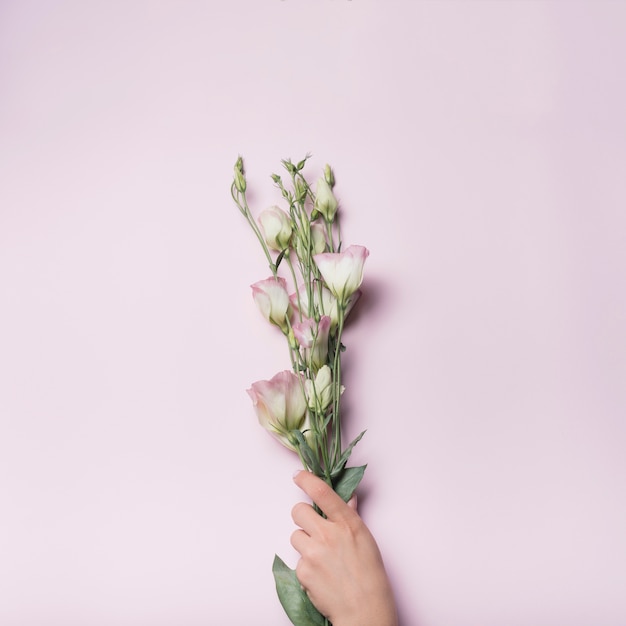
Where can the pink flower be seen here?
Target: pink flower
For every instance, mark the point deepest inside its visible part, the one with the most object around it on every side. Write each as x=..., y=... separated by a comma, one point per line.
x=313, y=336
x=280, y=405
x=342, y=271
x=272, y=299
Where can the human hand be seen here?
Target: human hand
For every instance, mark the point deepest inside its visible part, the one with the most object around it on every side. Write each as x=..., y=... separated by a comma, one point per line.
x=341, y=567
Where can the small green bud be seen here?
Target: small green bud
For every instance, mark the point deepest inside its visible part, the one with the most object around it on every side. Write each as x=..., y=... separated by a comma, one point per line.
x=240, y=181
x=329, y=176
x=289, y=166
x=293, y=342
x=239, y=165
x=300, y=165
x=301, y=190
x=276, y=178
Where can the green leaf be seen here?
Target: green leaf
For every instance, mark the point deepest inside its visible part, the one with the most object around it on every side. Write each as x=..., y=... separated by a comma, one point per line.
x=296, y=603
x=345, y=456
x=348, y=481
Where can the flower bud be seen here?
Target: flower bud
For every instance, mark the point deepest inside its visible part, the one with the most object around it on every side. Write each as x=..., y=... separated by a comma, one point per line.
x=320, y=393
x=276, y=227
x=329, y=176
x=318, y=238
x=313, y=337
x=301, y=191
x=325, y=201
x=240, y=181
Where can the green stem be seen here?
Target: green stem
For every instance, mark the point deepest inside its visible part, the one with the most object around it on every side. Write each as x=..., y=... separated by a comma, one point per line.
x=245, y=210
x=337, y=385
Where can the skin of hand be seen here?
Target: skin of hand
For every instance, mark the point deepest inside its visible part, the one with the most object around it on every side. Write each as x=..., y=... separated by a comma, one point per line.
x=341, y=567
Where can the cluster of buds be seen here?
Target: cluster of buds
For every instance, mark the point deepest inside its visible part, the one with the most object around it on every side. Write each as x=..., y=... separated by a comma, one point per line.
x=309, y=304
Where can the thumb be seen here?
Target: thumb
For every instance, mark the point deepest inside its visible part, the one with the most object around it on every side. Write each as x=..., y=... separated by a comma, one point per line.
x=352, y=503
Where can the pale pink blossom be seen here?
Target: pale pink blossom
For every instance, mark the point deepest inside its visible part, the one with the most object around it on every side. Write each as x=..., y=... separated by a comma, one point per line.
x=273, y=301
x=313, y=336
x=342, y=271
x=281, y=405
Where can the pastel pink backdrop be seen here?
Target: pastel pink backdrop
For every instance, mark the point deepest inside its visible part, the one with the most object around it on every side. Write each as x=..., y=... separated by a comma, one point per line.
x=479, y=150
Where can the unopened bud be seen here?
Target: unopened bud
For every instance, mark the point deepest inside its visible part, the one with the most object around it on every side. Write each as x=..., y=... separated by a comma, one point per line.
x=329, y=176
x=240, y=181
x=301, y=190
x=325, y=201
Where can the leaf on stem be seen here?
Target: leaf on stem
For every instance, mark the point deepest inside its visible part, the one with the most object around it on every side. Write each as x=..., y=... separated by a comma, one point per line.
x=348, y=481
x=296, y=603
x=345, y=456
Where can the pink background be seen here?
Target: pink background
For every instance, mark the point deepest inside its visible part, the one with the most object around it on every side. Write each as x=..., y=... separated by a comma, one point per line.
x=480, y=154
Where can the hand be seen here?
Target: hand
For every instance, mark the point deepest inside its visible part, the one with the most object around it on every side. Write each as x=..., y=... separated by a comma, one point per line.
x=341, y=567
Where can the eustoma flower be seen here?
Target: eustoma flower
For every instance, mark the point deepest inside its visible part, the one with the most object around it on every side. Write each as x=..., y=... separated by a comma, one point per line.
x=342, y=271
x=313, y=336
x=301, y=407
x=281, y=405
x=319, y=392
x=325, y=201
x=276, y=227
x=273, y=301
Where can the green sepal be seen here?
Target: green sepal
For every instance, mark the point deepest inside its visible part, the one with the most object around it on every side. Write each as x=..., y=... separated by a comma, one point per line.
x=296, y=603
x=280, y=258
x=348, y=481
x=307, y=454
x=345, y=456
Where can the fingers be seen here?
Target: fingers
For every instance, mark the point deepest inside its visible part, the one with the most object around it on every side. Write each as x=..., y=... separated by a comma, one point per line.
x=322, y=494
x=299, y=540
x=304, y=515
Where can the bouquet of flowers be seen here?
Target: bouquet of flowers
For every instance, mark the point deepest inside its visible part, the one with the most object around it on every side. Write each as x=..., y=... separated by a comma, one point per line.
x=301, y=406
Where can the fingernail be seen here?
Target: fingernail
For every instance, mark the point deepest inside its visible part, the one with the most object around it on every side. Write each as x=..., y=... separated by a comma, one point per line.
x=296, y=473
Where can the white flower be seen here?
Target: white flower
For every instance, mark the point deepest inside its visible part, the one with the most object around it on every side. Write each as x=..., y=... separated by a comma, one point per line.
x=319, y=393
x=276, y=227
x=325, y=201
x=342, y=271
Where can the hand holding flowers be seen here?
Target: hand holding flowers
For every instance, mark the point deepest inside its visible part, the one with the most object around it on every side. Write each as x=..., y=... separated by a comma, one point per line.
x=301, y=407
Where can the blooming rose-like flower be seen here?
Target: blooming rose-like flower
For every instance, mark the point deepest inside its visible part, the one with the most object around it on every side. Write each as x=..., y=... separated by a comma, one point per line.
x=325, y=201
x=273, y=301
x=276, y=227
x=313, y=336
x=342, y=271
x=280, y=405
